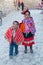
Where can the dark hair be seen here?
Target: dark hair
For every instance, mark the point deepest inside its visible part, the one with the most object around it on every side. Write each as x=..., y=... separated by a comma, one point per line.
x=28, y=12
x=16, y=22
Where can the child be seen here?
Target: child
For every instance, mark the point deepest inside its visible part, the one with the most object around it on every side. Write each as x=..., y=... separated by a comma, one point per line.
x=15, y=37
x=28, y=28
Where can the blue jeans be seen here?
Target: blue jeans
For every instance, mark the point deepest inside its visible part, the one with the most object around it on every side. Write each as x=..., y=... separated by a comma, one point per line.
x=12, y=45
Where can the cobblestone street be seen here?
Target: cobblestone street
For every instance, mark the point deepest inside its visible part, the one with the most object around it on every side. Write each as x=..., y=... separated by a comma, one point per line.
x=22, y=59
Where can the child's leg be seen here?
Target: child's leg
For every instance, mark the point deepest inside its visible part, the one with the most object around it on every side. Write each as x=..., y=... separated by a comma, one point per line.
x=25, y=49
x=11, y=50
x=16, y=48
x=31, y=50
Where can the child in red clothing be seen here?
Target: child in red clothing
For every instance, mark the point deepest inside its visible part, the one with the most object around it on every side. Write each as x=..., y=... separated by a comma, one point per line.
x=15, y=37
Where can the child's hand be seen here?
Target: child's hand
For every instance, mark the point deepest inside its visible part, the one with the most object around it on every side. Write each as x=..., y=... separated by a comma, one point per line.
x=6, y=39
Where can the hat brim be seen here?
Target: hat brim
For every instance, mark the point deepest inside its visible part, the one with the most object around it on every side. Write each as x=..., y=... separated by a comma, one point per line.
x=24, y=11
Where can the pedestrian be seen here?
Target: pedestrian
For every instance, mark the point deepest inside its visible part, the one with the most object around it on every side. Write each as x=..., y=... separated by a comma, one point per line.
x=19, y=3
x=22, y=5
x=15, y=37
x=28, y=28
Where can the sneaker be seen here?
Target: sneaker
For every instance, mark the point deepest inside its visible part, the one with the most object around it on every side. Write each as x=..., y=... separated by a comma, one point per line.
x=15, y=54
x=11, y=57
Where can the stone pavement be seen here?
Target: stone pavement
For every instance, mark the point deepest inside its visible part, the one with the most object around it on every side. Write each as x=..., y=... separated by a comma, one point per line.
x=22, y=59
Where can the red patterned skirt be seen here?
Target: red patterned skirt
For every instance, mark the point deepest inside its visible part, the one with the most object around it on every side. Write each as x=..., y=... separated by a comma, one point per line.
x=29, y=40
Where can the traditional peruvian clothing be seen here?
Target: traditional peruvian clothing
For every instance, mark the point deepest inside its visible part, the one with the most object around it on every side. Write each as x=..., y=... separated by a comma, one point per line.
x=15, y=38
x=28, y=29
